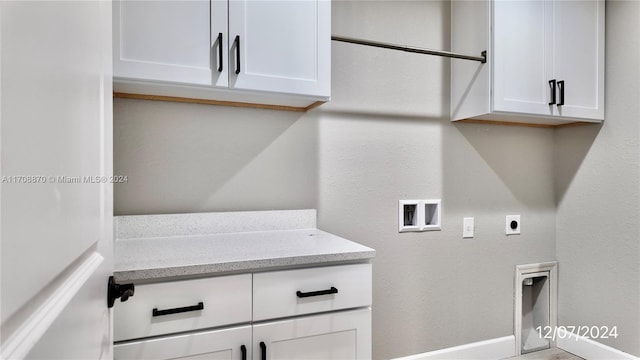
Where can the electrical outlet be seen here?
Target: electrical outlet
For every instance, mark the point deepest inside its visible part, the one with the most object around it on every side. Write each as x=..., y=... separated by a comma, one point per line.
x=512, y=226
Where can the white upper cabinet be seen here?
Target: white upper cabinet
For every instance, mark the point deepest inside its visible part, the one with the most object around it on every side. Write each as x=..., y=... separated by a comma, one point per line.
x=522, y=66
x=578, y=46
x=174, y=41
x=545, y=61
x=280, y=45
x=253, y=51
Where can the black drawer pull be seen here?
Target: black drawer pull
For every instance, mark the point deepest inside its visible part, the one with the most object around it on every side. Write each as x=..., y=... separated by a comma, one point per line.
x=552, y=85
x=157, y=312
x=317, y=293
x=243, y=350
x=263, y=348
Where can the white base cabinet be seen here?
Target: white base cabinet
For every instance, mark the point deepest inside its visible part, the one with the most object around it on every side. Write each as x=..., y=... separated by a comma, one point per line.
x=336, y=336
x=312, y=313
x=545, y=61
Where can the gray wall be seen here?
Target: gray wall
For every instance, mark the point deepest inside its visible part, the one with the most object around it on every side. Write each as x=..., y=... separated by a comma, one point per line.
x=194, y=158
x=598, y=183
x=386, y=136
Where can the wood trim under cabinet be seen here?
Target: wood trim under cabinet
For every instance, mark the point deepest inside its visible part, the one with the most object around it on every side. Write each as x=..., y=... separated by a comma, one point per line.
x=122, y=95
x=512, y=123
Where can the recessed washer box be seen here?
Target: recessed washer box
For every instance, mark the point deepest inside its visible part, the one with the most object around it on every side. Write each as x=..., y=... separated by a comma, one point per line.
x=409, y=215
x=419, y=215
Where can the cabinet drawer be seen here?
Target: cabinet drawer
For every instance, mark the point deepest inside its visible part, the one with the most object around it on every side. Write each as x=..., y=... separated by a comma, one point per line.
x=224, y=300
x=297, y=292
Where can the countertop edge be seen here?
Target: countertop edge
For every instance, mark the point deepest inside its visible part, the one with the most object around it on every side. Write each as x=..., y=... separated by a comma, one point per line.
x=245, y=266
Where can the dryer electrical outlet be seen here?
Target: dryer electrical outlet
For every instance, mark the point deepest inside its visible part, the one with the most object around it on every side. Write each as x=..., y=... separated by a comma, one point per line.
x=512, y=226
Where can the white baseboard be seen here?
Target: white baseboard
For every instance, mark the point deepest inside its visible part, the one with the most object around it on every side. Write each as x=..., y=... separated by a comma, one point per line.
x=589, y=349
x=492, y=349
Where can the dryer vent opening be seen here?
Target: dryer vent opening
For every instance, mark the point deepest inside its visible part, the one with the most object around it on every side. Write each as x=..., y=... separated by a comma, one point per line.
x=535, y=313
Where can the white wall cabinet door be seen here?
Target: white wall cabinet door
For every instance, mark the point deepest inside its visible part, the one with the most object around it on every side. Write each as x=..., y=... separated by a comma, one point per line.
x=175, y=41
x=225, y=344
x=335, y=336
x=283, y=46
x=522, y=62
x=578, y=48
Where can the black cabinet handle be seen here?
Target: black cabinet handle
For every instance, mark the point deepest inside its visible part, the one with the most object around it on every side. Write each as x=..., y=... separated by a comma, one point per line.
x=243, y=350
x=561, y=88
x=301, y=294
x=237, y=43
x=157, y=312
x=219, y=52
x=552, y=84
x=263, y=349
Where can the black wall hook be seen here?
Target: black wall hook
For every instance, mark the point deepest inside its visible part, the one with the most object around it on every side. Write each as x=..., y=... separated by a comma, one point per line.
x=118, y=291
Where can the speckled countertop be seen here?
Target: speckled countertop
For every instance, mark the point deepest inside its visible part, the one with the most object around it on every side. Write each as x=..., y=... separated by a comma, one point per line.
x=154, y=247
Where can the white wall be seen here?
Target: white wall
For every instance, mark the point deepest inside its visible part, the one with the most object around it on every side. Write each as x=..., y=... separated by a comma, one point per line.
x=598, y=183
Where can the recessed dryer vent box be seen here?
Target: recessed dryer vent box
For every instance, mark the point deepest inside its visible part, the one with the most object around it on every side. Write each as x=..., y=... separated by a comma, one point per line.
x=418, y=215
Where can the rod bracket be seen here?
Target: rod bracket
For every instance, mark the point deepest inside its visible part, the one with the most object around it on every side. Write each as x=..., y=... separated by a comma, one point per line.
x=484, y=56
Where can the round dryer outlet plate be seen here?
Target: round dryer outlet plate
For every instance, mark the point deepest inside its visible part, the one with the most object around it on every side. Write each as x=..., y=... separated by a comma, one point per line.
x=512, y=226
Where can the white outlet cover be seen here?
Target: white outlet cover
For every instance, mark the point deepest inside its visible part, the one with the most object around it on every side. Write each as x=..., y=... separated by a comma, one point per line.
x=467, y=227
x=508, y=230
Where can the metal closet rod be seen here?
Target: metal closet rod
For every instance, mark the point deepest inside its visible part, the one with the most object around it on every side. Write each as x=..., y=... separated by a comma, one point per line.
x=482, y=58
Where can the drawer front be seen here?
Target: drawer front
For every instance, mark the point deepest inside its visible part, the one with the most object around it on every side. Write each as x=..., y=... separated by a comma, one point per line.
x=169, y=307
x=305, y=291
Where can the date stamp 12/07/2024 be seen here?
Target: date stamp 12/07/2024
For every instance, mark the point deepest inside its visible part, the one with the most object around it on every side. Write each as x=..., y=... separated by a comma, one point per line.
x=576, y=332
